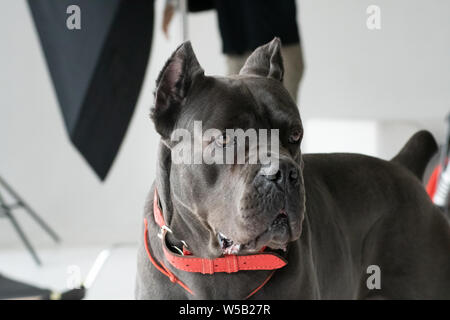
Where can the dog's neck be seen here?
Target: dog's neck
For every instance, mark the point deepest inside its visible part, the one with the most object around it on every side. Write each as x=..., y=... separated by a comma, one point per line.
x=186, y=227
x=179, y=218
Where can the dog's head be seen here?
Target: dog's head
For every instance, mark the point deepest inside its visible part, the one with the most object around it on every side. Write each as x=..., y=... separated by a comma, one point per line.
x=244, y=206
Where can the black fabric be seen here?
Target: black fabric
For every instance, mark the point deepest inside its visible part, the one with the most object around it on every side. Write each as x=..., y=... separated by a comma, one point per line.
x=12, y=289
x=247, y=24
x=200, y=5
x=97, y=71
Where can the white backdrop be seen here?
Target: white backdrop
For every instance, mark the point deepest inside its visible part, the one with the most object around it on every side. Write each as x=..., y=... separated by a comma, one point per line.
x=363, y=91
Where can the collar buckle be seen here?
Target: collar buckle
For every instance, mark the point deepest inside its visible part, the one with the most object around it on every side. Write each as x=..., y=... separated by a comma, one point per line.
x=163, y=230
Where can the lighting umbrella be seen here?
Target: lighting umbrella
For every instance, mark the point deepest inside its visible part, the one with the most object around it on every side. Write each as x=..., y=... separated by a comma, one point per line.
x=97, y=52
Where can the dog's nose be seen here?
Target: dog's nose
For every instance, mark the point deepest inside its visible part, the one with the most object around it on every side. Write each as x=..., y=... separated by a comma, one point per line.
x=285, y=172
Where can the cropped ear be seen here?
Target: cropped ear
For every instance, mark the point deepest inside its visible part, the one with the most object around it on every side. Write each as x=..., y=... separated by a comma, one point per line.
x=172, y=87
x=265, y=61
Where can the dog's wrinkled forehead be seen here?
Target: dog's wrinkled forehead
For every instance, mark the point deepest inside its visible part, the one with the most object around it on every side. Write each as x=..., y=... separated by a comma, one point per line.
x=240, y=102
x=275, y=101
x=221, y=103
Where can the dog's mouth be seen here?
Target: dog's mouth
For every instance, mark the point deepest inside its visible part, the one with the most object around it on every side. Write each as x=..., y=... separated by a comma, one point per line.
x=276, y=236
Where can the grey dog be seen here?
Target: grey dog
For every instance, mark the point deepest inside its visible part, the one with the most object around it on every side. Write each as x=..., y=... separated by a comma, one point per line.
x=332, y=216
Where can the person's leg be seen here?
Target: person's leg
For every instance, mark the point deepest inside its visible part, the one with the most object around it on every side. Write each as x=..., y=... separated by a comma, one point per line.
x=235, y=62
x=293, y=68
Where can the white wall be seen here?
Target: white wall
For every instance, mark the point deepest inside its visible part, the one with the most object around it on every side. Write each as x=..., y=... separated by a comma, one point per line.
x=400, y=73
x=395, y=78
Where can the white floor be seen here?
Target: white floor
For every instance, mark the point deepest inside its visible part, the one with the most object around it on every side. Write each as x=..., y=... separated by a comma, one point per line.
x=60, y=268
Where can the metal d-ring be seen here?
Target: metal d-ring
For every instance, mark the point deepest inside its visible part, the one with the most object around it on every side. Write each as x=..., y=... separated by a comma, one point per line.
x=163, y=228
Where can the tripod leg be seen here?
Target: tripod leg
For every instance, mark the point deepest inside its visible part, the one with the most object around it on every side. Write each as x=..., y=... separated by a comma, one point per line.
x=41, y=222
x=22, y=236
x=30, y=211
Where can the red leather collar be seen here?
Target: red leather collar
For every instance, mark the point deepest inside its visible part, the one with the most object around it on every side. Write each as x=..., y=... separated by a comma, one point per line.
x=229, y=263
x=190, y=263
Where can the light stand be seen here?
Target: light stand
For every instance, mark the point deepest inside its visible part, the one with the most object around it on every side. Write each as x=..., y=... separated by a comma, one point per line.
x=6, y=210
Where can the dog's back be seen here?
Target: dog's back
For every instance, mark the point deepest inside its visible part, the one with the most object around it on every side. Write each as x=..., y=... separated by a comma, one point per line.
x=373, y=212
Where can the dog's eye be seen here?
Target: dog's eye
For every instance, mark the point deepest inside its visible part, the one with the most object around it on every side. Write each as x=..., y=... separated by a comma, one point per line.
x=295, y=136
x=223, y=140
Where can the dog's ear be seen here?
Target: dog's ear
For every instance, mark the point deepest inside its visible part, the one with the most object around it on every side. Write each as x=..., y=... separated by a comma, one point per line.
x=172, y=87
x=265, y=61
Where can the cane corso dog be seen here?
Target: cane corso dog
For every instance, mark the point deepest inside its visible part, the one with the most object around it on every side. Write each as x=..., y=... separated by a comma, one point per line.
x=343, y=226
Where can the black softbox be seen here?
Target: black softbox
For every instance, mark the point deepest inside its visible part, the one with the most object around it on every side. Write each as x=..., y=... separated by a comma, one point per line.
x=97, y=70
